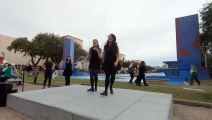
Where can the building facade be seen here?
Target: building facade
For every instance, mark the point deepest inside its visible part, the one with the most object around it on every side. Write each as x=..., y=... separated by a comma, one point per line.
x=18, y=58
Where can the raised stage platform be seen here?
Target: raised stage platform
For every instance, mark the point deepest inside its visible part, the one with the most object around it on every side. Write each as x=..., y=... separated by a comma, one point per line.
x=75, y=103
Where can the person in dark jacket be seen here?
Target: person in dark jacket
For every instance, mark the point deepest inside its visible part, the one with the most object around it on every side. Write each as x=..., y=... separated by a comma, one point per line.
x=142, y=71
x=94, y=64
x=48, y=65
x=68, y=71
x=110, y=58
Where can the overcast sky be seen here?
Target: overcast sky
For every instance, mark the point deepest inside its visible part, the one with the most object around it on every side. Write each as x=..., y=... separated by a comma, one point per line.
x=145, y=29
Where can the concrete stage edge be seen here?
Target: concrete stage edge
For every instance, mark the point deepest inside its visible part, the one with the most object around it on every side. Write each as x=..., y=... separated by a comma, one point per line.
x=75, y=103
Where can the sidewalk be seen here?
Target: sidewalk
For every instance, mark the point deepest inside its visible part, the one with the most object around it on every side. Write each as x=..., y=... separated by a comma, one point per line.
x=181, y=112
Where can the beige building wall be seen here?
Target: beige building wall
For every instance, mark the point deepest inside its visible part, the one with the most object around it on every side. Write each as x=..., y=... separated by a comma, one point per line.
x=122, y=57
x=18, y=58
x=10, y=56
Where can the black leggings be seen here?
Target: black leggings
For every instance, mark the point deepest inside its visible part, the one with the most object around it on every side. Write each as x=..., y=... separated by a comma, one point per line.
x=138, y=82
x=49, y=78
x=68, y=80
x=3, y=79
x=93, y=77
x=131, y=77
x=110, y=78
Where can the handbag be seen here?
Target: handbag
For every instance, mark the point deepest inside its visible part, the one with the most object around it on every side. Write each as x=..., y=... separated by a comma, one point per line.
x=136, y=73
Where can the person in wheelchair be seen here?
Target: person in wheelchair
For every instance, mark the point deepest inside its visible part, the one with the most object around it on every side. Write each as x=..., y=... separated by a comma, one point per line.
x=16, y=74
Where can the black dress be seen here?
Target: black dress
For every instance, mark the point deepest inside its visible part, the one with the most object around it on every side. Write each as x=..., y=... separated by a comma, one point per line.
x=94, y=60
x=109, y=59
x=48, y=71
x=142, y=70
x=68, y=70
x=109, y=68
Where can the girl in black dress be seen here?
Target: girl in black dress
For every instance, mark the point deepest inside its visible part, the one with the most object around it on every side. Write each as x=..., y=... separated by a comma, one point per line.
x=68, y=71
x=110, y=58
x=142, y=71
x=94, y=64
x=48, y=72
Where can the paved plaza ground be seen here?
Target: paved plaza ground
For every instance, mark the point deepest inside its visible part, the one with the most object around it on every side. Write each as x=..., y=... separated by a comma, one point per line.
x=181, y=112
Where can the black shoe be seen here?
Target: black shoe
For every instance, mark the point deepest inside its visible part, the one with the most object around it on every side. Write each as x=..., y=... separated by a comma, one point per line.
x=14, y=91
x=95, y=89
x=111, y=91
x=104, y=93
x=91, y=89
x=146, y=85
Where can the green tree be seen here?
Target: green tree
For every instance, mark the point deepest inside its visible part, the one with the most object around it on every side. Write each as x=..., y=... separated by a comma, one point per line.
x=78, y=52
x=206, y=33
x=210, y=64
x=206, y=28
x=149, y=68
x=124, y=64
x=49, y=45
x=42, y=46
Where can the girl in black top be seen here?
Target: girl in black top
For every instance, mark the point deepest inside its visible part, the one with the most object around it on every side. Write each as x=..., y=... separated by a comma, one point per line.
x=48, y=72
x=142, y=71
x=110, y=59
x=68, y=71
x=94, y=64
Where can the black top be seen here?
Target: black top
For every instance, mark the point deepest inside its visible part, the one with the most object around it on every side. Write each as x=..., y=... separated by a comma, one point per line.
x=109, y=58
x=68, y=69
x=94, y=60
x=48, y=71
x=142, y=70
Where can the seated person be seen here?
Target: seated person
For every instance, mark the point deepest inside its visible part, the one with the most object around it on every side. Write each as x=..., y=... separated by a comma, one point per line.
x=7, y=73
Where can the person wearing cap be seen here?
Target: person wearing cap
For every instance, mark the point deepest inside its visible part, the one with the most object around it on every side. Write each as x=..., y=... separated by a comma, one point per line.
x=110, y=59
x=7, y=72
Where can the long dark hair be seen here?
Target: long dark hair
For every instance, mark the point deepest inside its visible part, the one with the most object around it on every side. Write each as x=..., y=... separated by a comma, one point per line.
x=67, y=60
x=142, y=63
x=114, y=45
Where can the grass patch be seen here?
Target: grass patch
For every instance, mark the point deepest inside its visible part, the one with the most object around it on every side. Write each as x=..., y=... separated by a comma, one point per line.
x=177, y=91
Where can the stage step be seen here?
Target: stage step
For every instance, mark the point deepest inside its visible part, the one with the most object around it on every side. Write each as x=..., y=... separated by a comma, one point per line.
x=75, y=103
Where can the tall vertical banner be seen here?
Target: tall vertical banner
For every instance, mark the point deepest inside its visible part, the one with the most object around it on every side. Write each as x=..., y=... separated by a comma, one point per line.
x=188, y=43
x=68, y=50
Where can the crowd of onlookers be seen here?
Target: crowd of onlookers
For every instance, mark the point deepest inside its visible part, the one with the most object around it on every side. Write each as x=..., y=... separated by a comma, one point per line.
x=138, y=70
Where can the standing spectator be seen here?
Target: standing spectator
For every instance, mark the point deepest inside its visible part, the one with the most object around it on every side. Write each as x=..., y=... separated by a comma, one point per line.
x=131, y=72
x=110, y=58
x=94, y=64
x=68, y=71
x=35, y=74
x=142, y=71
x=48, y=72
x=29, y=70
x=194, y=75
